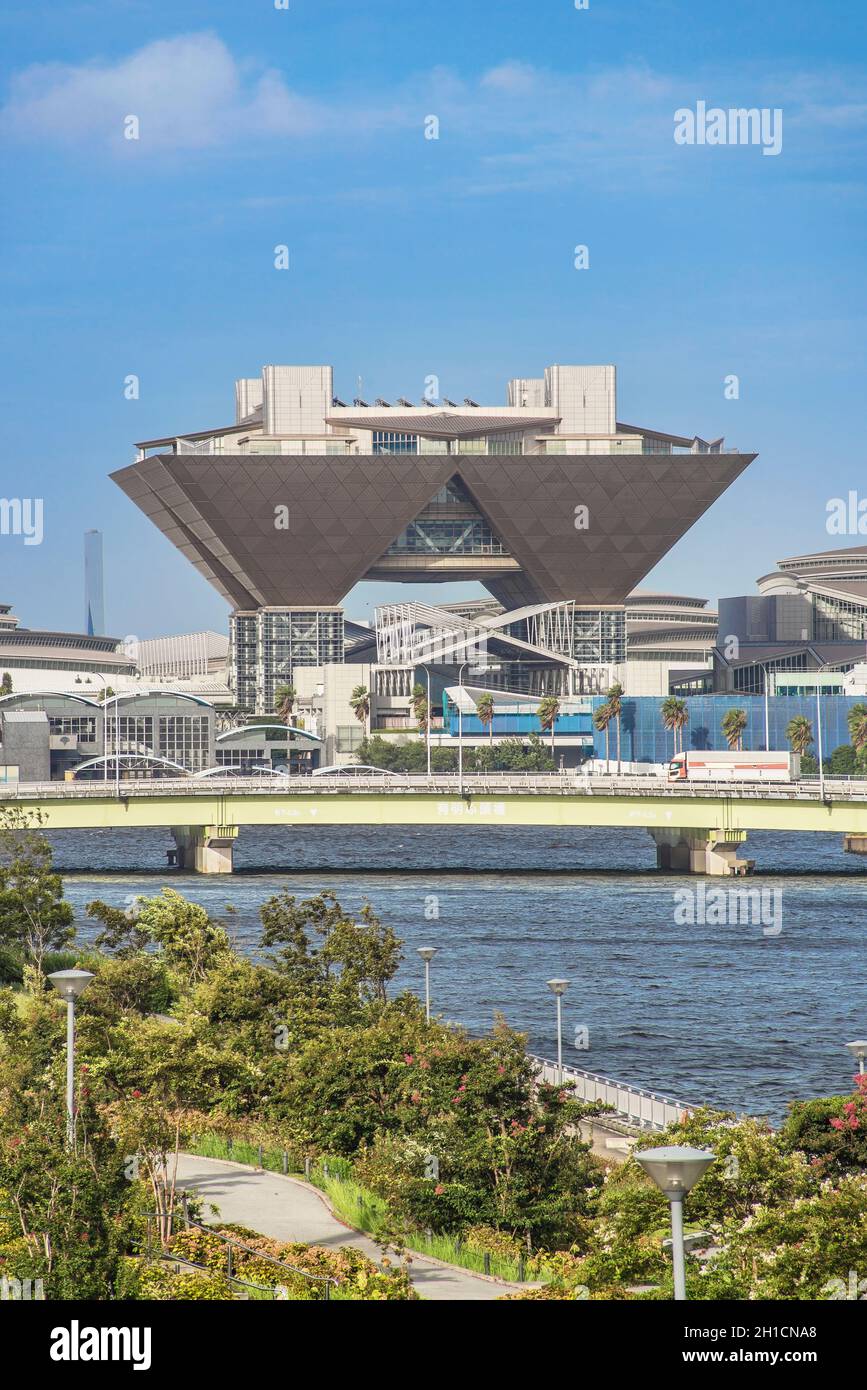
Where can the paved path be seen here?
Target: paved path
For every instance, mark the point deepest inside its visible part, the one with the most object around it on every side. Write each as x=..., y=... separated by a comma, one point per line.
x=288, y=1210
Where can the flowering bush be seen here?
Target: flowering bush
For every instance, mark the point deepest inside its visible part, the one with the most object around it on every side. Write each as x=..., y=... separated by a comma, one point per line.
x=354, y=1274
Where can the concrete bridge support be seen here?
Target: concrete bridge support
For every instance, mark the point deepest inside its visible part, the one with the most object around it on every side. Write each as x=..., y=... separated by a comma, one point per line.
x=712, y=852
x=206, y=848
x=855, y=844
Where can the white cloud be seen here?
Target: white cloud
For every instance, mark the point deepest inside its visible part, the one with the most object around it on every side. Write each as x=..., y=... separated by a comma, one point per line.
x=512, y=125
x=187, y=93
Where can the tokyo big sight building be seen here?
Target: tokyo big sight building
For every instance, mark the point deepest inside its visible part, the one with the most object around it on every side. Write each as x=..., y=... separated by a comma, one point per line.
x=550, y=502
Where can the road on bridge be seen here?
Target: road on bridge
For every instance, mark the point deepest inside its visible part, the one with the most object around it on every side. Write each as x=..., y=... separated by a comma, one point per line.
x=290, y=1210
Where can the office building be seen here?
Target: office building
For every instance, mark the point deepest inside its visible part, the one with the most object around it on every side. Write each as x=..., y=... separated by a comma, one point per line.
x=94, y=600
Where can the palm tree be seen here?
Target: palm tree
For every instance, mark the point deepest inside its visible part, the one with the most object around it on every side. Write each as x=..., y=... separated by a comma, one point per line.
x=360, y=703
x=420, y=708
x=681, y=718
x=601, y=720
x=615, y=705
x=547, y=715
x=485, y=711
x=675, y=716
x=284, y=701
x=733, y=726
x=857, y=721
x=668, y=710
x=799, y=732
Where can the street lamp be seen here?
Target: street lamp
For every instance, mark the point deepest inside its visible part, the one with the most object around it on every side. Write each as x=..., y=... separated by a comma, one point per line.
x=426, y=670
x=765, y=680
x=463, y=667
x=859, y=1050
x=559, y=987
x=427, y=954
x=676, y=1169
x=69, y=985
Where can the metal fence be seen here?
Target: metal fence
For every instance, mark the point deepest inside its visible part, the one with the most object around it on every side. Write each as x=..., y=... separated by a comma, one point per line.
x=631, y=1105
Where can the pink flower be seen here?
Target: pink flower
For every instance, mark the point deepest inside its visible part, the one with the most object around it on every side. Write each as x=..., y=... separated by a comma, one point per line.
x=416, y=1097
x=439, y=1190
x=424, y=1063
x=408, y=1058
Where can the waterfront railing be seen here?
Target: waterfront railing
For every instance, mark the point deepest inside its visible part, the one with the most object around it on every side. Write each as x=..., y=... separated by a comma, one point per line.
x=632, y=1106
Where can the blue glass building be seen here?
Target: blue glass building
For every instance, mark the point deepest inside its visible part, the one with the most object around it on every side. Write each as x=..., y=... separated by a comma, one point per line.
x=645, y=739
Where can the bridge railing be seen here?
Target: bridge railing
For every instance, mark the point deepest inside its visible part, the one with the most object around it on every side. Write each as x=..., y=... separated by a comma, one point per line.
x=442, y=784
x=633, y=1106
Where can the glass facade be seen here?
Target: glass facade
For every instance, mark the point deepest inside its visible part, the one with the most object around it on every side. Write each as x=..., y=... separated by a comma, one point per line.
x=267, y=646
x=394, y=442
x=185, y=739
x=450, y=524
x=644, y=738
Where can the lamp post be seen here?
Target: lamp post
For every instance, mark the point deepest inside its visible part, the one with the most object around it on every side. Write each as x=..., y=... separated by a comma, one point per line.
x=819, y=735
x=69, y=985
x=859, y=1051
x=558, y=988
x=427, y=954
x=104, y=683
x=116, y=745
x=676, y=1169
x=463, y=667
x=427, y=720
x=767, y=712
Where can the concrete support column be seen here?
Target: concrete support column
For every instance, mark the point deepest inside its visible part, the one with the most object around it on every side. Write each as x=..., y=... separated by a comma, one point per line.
x=208, y=849
x=712, y=852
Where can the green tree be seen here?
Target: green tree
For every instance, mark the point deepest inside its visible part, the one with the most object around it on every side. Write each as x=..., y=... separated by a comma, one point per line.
x=321, y=945
x=615, y=705
x=189, y=941
x=34, y=916
x=547, y=714
x=6, y=684
x=675, y=717
x=420, y=710
x=485, y=711
x=285, y=696
x=602, y=722
x=799, y=732
x=857, y=722
x=844, y=761
x=359, y=701
x=734, y=722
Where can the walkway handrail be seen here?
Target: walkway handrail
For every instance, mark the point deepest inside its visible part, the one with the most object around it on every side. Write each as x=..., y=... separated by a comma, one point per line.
x=631, y=1104
x=231, y=1241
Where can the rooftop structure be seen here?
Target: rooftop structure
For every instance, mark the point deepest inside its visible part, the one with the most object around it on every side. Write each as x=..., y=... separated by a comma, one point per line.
x=547, y=499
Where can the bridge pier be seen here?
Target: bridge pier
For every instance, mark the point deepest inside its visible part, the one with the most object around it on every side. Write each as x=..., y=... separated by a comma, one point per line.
x=208, y=849
x=712, y=852
x=855, y=844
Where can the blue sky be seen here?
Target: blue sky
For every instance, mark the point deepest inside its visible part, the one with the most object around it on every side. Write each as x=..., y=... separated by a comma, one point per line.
x=305, y=126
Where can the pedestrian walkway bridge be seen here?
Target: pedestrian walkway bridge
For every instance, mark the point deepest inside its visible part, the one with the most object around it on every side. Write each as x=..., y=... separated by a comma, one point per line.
x=697, y=827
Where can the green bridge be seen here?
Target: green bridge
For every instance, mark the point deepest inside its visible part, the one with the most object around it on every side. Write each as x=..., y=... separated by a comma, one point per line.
x=697, y=828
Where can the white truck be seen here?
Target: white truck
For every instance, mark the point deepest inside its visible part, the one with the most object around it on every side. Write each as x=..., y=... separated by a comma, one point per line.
x=706, y=765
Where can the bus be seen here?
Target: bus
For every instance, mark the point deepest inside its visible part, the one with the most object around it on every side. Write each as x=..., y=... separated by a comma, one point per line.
x=705, y=765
